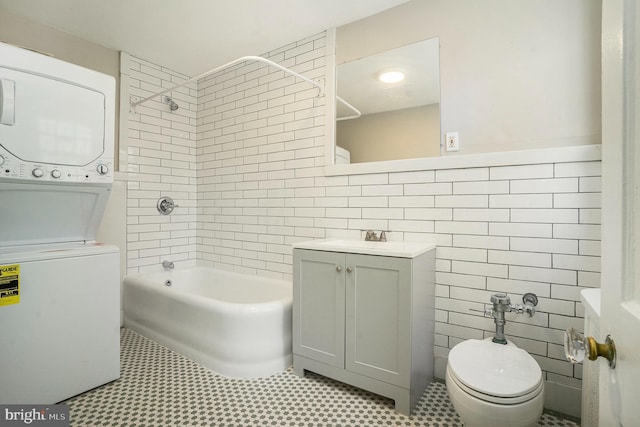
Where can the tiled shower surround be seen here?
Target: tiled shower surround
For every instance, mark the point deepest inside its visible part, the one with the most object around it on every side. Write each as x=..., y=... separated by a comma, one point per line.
x=249, y=178
x=160, y=161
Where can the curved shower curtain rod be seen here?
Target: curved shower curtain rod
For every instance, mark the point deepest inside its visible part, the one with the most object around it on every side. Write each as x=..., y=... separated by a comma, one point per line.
x=356, y=112
x=250, y=58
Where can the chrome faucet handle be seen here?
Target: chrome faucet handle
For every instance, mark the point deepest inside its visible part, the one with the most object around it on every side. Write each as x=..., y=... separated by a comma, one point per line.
x=165, y=205
x=371, y=236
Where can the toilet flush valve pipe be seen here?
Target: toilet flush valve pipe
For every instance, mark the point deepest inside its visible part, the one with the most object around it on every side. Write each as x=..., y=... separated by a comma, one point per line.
x=501, y=304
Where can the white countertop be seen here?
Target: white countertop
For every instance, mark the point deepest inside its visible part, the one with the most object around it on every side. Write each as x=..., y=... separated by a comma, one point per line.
x=399, y=249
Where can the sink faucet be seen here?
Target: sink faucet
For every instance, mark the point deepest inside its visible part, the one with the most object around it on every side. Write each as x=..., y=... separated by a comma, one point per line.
x=371, y=236
x=167, y=264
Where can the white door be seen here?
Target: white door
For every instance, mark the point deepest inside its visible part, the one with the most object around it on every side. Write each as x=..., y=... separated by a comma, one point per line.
x=619, y=387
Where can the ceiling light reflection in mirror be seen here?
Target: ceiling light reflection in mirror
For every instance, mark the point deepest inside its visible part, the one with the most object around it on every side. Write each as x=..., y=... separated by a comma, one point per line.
x=391, y=76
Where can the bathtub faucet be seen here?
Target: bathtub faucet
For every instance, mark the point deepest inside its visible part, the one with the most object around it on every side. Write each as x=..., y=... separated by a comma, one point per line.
x=167, y=264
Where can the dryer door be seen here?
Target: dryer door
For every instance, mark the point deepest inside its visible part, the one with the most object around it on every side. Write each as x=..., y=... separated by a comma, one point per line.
x=50, y=121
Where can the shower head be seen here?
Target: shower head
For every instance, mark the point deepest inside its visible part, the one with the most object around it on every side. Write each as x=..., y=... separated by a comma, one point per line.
x=172, y=105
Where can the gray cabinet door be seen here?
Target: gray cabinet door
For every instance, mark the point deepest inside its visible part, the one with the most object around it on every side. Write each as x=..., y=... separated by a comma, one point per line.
x=378, y=317
x=318, y=305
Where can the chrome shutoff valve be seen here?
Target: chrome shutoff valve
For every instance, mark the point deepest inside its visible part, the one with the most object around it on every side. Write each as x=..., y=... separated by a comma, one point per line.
x=530, y=301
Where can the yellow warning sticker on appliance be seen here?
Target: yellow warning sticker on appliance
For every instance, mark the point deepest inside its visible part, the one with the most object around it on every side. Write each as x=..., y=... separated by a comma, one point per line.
x=9, y=284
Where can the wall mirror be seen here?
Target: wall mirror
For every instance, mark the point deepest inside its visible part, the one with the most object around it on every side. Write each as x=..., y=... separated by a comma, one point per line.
x=395, y=119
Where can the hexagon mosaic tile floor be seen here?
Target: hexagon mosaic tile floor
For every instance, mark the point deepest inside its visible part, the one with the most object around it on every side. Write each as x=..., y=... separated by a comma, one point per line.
x=159, y=387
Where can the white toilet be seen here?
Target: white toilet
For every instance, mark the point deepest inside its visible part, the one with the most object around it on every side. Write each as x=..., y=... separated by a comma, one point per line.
x=492, y=384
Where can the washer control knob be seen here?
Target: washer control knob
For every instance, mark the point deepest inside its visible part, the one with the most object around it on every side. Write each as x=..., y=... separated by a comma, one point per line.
x=37, y=172
x=102, y=169
x=1, y=160
x=56, y=173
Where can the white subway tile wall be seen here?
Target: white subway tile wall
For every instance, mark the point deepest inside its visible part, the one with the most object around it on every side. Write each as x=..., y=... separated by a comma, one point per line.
x=260, y=139
x=261, y=187
x=161, y=158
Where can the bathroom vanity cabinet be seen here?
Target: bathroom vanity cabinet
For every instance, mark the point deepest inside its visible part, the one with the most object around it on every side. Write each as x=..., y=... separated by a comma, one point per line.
x=365, y=319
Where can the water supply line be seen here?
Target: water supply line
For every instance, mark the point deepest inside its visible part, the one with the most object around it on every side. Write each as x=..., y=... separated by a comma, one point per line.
x=243, y=59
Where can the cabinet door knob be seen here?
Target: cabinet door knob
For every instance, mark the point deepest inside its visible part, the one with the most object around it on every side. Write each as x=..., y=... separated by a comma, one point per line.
x=349, y=270
x=338, y=268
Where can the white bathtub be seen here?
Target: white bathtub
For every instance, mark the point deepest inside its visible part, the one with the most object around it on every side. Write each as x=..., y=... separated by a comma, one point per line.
x=236, y=325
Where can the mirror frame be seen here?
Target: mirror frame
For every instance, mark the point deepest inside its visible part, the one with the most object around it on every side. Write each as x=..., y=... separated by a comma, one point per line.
x=332, y=169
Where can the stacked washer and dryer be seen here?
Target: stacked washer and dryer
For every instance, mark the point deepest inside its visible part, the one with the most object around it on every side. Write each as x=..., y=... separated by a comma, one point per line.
x=59, y=288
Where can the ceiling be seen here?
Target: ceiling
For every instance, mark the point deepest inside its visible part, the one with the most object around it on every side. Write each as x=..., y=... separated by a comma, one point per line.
x=193, y=36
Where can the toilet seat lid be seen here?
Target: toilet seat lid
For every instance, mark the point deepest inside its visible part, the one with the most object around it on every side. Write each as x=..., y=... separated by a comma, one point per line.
x=494, y=369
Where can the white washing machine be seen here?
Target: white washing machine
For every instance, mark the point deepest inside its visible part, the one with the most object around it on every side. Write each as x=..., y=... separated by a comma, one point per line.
x=59, y=288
